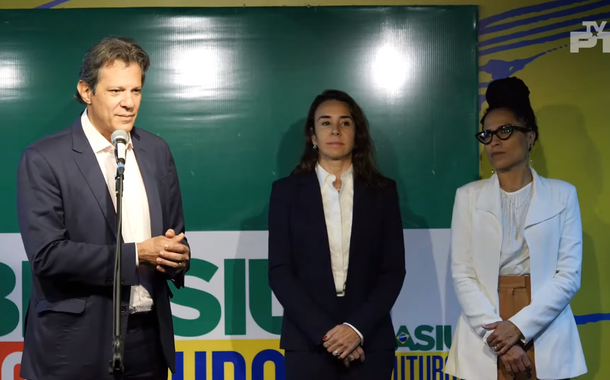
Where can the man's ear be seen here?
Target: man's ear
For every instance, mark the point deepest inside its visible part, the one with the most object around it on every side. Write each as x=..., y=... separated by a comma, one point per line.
x=85, y=91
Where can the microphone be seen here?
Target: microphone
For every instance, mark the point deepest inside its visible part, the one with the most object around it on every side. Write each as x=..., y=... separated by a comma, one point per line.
x=119, y=140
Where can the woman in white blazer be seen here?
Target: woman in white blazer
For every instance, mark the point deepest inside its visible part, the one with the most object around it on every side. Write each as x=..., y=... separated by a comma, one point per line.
x=516, y=253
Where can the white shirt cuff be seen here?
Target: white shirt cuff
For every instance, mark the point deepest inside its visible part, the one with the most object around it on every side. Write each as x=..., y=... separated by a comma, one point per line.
x=487, y=334
x=137, y=259
x=523, y=341
x=357, y=332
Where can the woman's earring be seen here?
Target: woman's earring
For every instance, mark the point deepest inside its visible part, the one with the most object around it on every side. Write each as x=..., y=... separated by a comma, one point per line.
x=315, y=146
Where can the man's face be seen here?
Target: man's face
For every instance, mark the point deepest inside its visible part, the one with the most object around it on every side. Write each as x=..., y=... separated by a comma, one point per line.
x=116, y=100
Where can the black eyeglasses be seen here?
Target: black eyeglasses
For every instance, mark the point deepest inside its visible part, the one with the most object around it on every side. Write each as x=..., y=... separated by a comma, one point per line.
x=503, y=133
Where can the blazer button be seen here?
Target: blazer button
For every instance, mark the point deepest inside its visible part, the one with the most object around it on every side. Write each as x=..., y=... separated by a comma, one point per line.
x=109, y=281
x=123, y=309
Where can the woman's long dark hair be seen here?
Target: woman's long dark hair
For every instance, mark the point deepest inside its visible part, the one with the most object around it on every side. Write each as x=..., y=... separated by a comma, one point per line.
x=363, y=155
x=512, y=94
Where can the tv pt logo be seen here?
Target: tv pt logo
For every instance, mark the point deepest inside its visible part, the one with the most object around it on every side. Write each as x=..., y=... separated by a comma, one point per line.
x=587, y=39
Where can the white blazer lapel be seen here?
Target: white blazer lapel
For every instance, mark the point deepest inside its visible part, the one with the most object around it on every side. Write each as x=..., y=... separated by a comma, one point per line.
x=489, y=198
x=543, y=205
x=488, y=235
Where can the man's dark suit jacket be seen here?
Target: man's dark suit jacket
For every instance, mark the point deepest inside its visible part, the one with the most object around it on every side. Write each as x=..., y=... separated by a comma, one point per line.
x=68, y=226
x=300, y=268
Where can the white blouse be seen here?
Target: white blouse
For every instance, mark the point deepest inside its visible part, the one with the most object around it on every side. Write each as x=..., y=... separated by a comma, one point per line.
x=338, y=212
x=515, y=254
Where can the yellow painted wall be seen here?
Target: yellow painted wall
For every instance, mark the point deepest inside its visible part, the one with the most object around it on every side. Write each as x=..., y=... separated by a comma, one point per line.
x=569, y=95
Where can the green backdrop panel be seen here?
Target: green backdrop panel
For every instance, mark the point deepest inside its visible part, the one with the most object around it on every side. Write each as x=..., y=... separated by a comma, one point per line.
x=229, y=89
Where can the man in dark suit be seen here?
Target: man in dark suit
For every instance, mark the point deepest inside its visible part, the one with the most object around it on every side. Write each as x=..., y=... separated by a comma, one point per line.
x=67, y=217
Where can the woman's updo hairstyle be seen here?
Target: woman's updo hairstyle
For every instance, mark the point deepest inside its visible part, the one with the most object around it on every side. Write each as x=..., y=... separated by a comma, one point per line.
x=511, y=94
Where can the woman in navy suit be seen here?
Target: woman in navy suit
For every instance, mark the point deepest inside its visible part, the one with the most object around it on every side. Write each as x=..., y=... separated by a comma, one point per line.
x=336, y=250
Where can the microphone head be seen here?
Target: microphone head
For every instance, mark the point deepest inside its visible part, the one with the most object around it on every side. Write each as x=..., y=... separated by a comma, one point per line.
x=119, y=135
x=119, y=140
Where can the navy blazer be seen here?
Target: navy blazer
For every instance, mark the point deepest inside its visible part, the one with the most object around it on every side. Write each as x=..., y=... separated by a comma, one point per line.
x=300, y=272
x=68, y=226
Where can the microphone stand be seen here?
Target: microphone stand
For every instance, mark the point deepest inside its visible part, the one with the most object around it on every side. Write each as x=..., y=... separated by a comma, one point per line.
x=116, y=367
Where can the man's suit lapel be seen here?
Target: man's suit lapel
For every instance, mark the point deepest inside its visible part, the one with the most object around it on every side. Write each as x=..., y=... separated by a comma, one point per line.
x=149, y=177
x=87, y=162
x=90, y=169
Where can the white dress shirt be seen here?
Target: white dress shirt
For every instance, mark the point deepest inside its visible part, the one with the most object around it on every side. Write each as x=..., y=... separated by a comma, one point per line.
x=338, y=213
x=136, y=217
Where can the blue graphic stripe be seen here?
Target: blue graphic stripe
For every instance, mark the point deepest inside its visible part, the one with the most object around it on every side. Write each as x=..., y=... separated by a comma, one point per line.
x=484, y=23
x=540, y=40
x=544, y=17
x=524, y=43
x=591, y=318
x=51, y=4
x=578, y=21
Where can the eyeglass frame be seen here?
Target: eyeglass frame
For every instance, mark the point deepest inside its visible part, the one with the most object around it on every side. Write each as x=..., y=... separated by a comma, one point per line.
x=495, y=132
